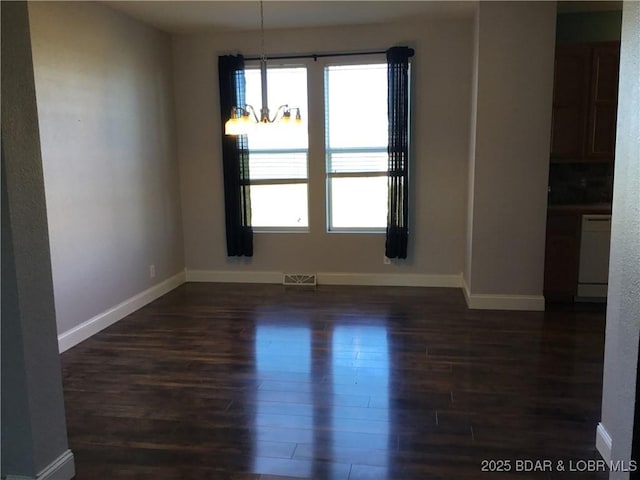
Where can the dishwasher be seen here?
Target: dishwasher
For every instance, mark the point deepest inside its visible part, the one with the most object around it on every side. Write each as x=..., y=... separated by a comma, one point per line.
x=593, y=273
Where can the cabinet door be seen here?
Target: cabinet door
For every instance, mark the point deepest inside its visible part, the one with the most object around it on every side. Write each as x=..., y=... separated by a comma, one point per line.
x=562, y=255
x=570, y=102
x=601, y=137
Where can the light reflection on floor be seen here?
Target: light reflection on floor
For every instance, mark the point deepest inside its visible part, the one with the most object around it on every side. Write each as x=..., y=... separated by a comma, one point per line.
x=350, y=365
x=283, y=361
x=352, y=347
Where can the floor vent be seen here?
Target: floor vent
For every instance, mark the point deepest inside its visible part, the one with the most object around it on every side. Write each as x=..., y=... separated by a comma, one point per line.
x=299, y=279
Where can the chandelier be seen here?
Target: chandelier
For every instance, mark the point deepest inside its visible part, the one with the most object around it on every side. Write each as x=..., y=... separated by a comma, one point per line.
x=244, y=119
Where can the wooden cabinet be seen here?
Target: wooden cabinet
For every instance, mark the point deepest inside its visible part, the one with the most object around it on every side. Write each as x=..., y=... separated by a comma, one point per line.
x=585, y=98
x=603, y=102
x=570, y=102
x=562, y=255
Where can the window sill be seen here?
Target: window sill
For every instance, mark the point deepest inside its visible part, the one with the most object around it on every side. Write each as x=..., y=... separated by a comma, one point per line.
x=367, y=231
x=281, y=230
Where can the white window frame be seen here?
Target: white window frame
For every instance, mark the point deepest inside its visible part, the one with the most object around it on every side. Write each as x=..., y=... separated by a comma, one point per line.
x=364, y=60
x=255, y=65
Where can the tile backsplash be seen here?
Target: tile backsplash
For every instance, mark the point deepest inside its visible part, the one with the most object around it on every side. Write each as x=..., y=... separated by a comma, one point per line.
x=580, y=183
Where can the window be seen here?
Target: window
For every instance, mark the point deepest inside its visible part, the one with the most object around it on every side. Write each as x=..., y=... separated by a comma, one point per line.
x=356, y=146
x=278, y=159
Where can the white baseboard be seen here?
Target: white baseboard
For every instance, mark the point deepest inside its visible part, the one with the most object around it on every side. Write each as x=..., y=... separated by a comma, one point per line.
x=223, y=276
x=474, y=301
x=62, y=468
x=603, y=442
x=390, y=279
x=483, y=301
x=327, y=278
x=86, y=329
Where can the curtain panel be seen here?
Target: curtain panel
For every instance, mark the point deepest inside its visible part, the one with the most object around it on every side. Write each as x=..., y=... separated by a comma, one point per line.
x=235, y=160
x=398, y=150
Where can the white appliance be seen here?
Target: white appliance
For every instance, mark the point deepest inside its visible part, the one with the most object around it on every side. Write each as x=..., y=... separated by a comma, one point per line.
x=593, y=274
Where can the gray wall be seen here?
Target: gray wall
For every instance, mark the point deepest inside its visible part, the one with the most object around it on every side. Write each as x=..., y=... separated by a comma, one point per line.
x=511, y=158
x=33, y=421
x=623, y=304
x=105, y=102
x=441, y=89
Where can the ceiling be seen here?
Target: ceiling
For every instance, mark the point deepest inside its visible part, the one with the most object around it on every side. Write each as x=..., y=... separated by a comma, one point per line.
x=193, y=16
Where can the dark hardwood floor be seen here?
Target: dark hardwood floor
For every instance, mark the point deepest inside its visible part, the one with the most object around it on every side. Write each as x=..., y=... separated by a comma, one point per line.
x=220, y=381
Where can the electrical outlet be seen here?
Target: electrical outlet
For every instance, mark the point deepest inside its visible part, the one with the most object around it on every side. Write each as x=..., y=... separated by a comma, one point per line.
x=152, y=271
x=386, y=260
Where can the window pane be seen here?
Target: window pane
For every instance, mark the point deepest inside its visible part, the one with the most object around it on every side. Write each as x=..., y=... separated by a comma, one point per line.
x=358, y=162
x=270, y=166
x=279, y=205
x=285, y=86
x=277, y=152
x=356, y=143
x=358, y=202
x=356, y=106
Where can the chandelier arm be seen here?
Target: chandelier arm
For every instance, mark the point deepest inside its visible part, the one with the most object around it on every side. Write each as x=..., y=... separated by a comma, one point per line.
x=281, y=109
x=249, y=109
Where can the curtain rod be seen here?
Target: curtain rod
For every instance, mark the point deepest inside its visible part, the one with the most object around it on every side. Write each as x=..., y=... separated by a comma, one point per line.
x=316, y=56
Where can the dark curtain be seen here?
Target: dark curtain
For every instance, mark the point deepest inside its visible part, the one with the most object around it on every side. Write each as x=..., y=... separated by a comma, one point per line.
x=398, y=149
x=235, y=160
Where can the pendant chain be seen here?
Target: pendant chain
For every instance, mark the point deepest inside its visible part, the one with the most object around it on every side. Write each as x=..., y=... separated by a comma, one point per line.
x=263, y=56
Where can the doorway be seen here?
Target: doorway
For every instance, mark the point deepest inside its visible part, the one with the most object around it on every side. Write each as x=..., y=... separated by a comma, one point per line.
x=582, y=153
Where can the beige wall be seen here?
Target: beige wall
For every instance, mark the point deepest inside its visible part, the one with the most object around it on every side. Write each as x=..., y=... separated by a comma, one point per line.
x=623, y=305
x=441, y=89
x=511, y=159
x=105, y=103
